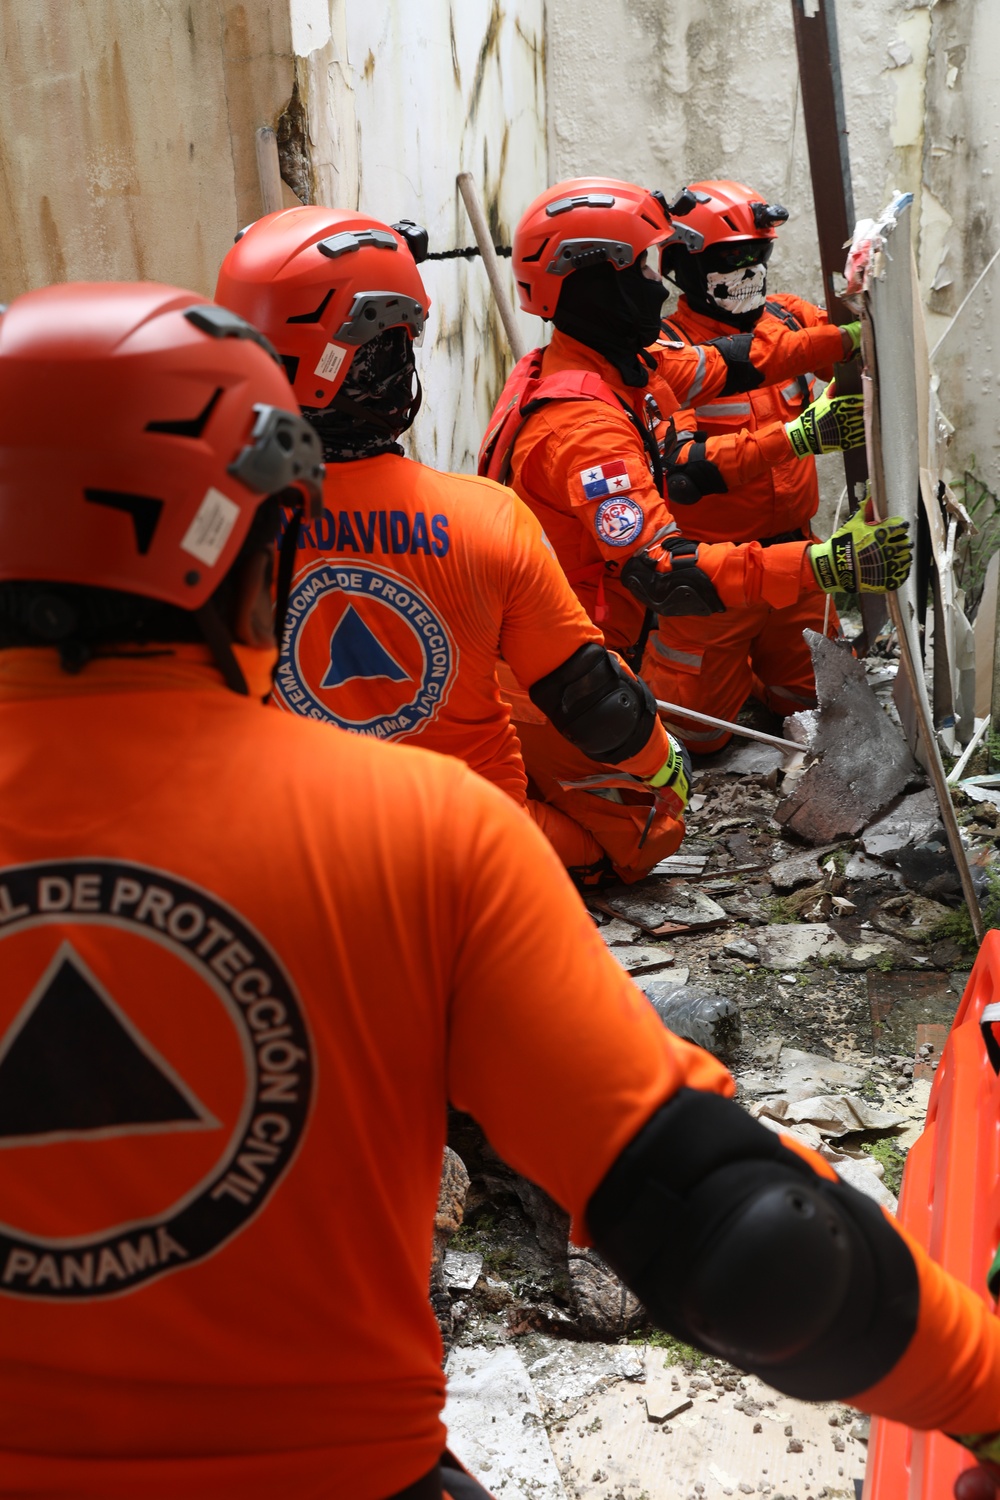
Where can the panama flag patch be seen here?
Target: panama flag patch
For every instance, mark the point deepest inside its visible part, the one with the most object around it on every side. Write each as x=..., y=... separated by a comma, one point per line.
x=606, y=479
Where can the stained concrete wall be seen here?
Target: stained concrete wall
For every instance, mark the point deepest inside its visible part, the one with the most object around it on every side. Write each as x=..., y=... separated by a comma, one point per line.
x=668, y=91
x=127, y=144
x=400, y=99
x=127, y=135
x=127, y=147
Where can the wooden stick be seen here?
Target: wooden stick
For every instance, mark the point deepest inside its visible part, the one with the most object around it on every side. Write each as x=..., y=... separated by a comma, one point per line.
x=740, y=729
x=268, y=170
x=480, y=228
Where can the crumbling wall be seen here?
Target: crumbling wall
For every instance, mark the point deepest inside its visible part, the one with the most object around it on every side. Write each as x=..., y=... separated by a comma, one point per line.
x=667, y=91
x=400, y=99
x=127, y=135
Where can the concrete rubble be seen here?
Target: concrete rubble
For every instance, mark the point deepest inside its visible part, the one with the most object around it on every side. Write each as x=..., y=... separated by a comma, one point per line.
x=808, y=964
x=858, y=760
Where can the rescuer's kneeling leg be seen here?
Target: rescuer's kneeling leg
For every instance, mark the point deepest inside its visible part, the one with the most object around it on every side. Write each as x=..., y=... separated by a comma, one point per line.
x=781, y=659
x=618, y=819
x=702, y=662
x=755, y=1251
x=576, y=847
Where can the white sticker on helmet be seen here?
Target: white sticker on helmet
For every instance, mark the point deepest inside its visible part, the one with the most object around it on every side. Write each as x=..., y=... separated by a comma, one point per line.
x=332, y=358
x=211, y=527
x=738, y=291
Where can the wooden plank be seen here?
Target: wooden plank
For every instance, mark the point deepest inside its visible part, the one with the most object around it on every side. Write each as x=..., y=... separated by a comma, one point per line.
x=833, y=203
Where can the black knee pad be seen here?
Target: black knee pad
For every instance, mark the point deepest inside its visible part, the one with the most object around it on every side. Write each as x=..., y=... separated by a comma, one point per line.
x=737, y=1246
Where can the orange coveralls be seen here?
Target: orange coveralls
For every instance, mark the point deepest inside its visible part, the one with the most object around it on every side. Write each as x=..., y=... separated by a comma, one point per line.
x=405, y=594
x=564, y=442
x=226, y=1045
x=714, y=662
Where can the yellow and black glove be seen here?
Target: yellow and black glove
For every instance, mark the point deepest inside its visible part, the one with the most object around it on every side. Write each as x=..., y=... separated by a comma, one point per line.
x=864, y=556
x=832, y=424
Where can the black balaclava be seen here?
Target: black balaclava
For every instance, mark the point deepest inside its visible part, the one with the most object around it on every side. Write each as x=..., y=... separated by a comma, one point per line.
x=615, y=312
x=727, y=281
x=379, y=399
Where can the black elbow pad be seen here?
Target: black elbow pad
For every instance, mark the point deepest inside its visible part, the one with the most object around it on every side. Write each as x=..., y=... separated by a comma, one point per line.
x=737, y=1246
x=740, y=372
x=689, y=479
x=682, y=590
x=594, y=700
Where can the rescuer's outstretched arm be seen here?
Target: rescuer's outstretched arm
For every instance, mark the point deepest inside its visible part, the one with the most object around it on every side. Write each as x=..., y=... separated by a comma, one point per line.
x=743, y=361
x=748, y=1246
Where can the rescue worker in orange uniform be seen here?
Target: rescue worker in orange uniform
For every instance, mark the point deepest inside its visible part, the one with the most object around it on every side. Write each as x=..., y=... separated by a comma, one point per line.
x=573, y=432
x=412, y=584
x=248, y=959
x=714, y=663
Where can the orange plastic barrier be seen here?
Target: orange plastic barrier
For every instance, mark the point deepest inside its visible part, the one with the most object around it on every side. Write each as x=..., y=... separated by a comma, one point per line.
x=950, y=1202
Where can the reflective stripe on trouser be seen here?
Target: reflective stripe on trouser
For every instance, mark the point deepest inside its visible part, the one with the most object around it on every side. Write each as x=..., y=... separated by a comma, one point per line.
x=616, y=825
x=713, y=663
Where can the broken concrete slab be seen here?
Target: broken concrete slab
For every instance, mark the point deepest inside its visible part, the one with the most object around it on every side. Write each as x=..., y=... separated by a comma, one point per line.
x=678, y=865
x=659, y=902
x=710, y=1021
x=616, y=932
x=799, y=869
x=567, y=1374
x=462, y=1269
x=861, y=867
x=860, y=1175
x=861, y=760
x=832, y=1115
x=788, y=1071
x=911, y=821
x=740, y=948
x=789, y=945
x=643, y=959
x=495, y=1424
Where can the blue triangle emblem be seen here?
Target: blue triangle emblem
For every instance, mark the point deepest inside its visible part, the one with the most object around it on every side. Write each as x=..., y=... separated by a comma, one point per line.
x=356, y=652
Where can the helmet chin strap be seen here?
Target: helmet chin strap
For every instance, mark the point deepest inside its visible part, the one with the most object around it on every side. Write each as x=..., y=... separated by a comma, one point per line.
x=220, y=642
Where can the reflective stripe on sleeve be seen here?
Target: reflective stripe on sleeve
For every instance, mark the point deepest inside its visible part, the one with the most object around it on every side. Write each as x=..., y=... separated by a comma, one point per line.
x=679, y=658
x=699, y=377
x=728, y=408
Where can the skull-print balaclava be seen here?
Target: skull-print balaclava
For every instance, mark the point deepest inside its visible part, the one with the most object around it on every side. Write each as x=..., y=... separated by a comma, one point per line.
x=727, y=281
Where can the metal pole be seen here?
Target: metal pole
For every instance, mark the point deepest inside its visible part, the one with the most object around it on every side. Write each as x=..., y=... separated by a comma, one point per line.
x=480, y=228
x=740, y=729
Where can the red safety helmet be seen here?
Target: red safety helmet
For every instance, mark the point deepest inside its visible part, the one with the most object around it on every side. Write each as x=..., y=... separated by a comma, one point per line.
x=582, y=222
x=321, y=282
x=718, y=212
x=140, y=429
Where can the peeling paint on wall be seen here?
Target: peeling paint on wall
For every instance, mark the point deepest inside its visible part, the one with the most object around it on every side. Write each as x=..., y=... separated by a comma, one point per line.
x=400, y=101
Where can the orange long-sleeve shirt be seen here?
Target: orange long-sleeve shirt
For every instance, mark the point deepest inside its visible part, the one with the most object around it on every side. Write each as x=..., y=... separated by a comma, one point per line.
x=564, y=442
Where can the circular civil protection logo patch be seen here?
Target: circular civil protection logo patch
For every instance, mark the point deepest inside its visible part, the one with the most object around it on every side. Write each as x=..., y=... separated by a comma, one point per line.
x=364, y=650
x=156, y=1076
x=618, y=522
